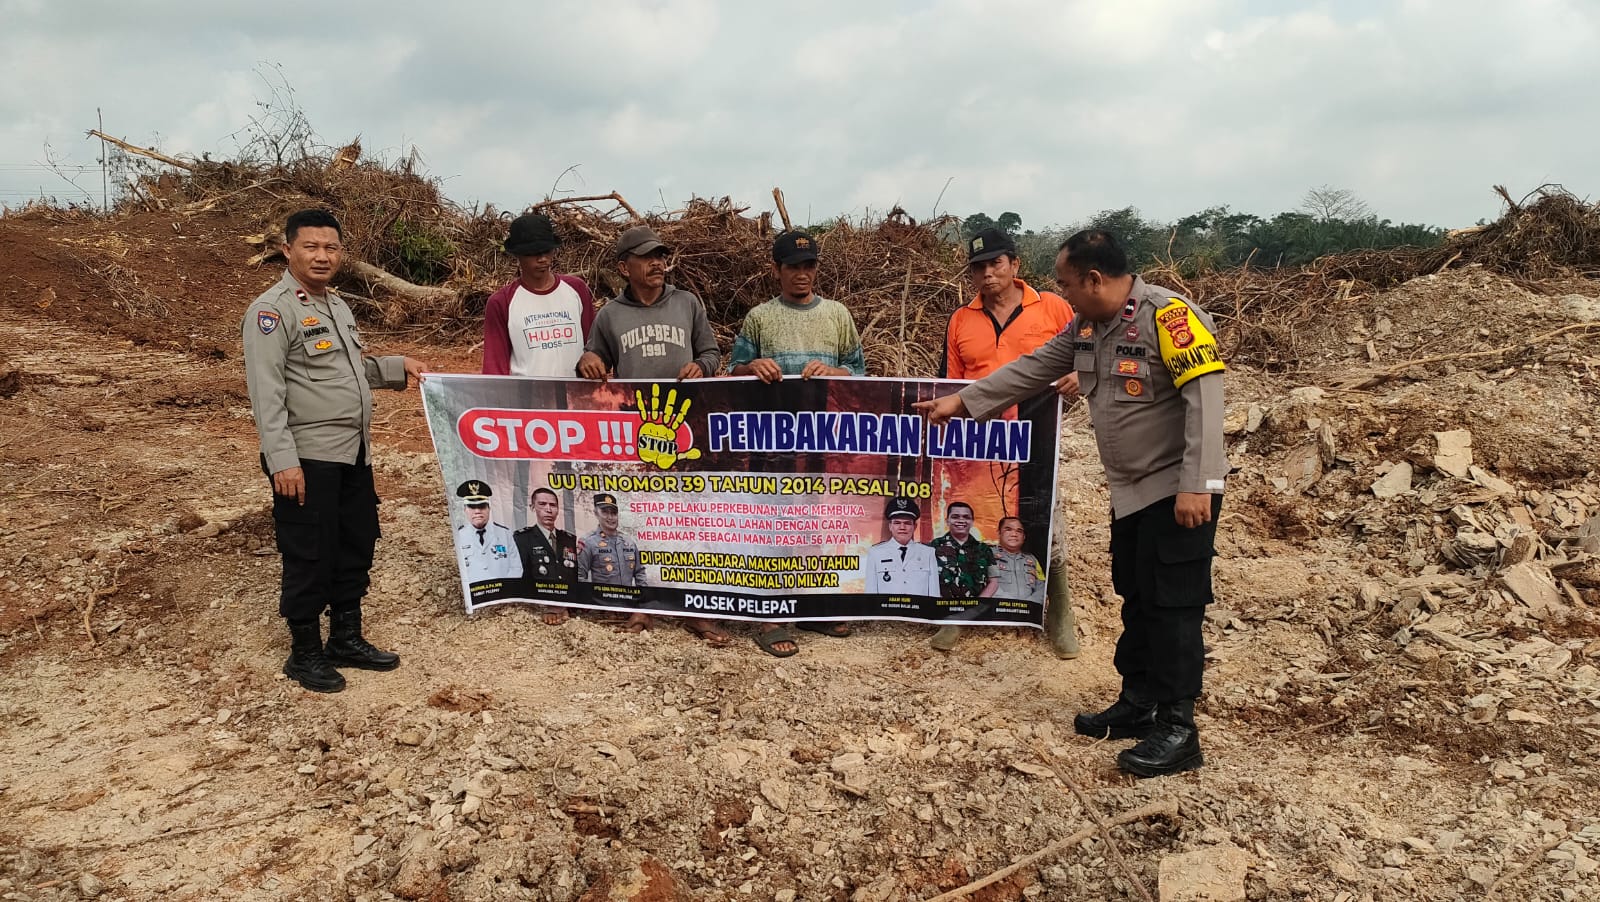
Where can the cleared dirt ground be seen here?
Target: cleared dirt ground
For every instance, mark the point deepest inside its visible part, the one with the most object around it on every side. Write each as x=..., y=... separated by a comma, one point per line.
x=1403, y=697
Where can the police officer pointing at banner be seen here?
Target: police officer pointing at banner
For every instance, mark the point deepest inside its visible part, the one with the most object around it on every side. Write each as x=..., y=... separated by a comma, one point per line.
x=311, y=393
x=1148, y=365
x=486, y=549
x=900, y=565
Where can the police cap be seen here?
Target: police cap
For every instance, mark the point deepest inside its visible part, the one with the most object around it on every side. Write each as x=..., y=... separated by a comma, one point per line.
x=474, y=493
x=605, y=499
x=901, y=506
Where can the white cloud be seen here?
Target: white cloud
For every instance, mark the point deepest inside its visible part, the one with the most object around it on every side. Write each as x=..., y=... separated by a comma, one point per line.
x=1051, y=109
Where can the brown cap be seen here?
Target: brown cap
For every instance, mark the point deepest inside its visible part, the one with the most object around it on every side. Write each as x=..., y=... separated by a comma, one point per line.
x=638, y=241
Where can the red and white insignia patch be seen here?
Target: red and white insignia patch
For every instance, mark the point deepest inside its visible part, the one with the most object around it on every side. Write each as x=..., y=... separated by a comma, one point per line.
x=1176, y=322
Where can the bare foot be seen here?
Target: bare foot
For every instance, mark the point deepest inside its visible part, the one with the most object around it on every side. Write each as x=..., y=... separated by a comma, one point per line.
x=638, y=623
x=554, y=616
x=709, y=631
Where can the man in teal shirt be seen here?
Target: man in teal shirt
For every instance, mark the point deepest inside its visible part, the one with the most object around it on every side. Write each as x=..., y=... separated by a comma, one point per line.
x=797, y=333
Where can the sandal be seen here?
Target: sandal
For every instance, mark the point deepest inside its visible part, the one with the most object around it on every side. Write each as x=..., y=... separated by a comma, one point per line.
x=770, y=639
x=709, y=632
x=836, y=629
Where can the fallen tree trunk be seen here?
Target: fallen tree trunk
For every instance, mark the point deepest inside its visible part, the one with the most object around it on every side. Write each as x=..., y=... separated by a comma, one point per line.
x=442, y=301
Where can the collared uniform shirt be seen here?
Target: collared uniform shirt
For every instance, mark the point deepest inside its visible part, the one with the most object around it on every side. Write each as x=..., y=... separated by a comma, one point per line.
x=310, y=385
x=543, y=556
x=610, y=560
x=963, y=566
x=1019, y=576
x=887, y=570
x=487, y=553
x=1152, y=378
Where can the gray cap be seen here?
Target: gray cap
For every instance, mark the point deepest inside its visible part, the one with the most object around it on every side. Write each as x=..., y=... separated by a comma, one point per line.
x=638, y=241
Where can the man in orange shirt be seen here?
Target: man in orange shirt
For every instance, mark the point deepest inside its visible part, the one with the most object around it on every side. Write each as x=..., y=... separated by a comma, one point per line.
x=1006, y=320
x=1009, y=319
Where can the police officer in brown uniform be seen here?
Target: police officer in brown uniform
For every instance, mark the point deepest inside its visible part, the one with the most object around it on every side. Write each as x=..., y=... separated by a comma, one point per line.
x=1147, y=363
x=1016, y=572
x=606, y=556
x=311, y=392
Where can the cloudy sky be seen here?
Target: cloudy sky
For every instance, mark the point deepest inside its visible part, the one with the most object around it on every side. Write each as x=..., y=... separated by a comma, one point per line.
x=1054, y=109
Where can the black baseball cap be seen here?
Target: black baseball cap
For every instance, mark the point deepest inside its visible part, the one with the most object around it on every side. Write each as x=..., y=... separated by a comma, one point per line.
x=474, y=493
x=901, y=506
x=605, y=499
x=532, y=234
x=988, y=245
x=794, y=247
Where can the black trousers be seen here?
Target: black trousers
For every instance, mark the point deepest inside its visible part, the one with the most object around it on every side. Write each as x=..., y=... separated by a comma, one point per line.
x=1163, y=573
x=327, y=542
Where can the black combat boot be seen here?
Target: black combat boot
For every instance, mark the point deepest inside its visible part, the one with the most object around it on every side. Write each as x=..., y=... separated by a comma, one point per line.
x=1172, y=747
x=307, y=664
x=346, y=648
x=1126, y=719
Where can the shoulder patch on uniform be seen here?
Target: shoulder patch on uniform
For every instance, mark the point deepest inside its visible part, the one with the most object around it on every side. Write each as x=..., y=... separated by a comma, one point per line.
x=267, y=322
x=1187, y=347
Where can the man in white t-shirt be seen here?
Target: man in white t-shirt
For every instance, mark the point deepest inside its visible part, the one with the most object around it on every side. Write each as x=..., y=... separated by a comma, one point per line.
x=538, y=324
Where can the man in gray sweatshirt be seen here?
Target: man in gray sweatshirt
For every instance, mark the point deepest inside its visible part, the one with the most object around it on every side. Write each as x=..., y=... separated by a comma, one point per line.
x=652, y=330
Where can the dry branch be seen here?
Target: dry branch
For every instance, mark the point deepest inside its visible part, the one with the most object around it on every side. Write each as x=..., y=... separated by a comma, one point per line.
x=1094, y=815
x=156, y=155
x=613, y=196
x=267, y=815
x=1399, y=369
x=1167, y=808
x=94, y=597
x=1512, y=873
x=783, y=212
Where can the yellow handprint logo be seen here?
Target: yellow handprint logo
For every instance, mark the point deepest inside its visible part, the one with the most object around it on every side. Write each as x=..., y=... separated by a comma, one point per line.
x=658, y=434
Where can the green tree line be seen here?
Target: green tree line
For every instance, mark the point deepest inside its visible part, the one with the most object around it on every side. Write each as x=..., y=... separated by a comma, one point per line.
x=1329, y=221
